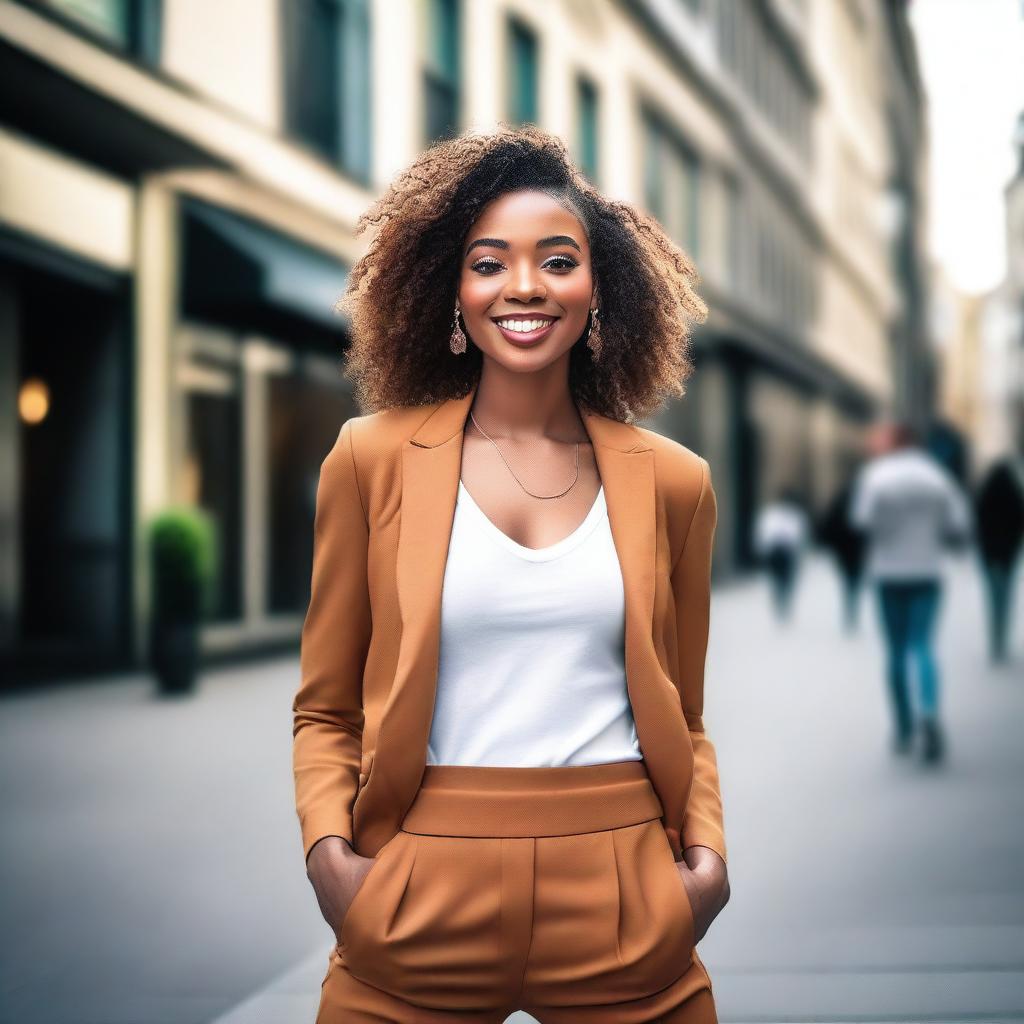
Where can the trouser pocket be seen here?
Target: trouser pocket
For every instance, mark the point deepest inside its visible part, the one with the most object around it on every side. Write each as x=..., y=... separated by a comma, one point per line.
x=379, y=869
x=655, y=928
x=427, y=927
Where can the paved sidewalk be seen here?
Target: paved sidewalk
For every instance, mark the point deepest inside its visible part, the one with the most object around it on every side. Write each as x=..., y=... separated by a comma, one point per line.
x=865, y=887
x=153, y=869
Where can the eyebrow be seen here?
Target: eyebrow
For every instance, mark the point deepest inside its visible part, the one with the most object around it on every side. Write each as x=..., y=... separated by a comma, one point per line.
x=544, y=243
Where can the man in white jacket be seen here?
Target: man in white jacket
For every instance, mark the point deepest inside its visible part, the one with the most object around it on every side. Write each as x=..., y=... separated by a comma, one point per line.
x=910, y=509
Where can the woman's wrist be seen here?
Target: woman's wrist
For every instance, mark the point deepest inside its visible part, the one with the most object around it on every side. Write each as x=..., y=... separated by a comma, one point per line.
x=334, y=849
x=711, y=872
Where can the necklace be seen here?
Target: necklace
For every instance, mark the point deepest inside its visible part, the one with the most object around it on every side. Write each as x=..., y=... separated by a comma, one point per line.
x=512, y=471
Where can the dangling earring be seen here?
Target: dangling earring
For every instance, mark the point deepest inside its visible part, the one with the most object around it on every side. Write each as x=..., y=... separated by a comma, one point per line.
x=457, y=342
x=594, y=334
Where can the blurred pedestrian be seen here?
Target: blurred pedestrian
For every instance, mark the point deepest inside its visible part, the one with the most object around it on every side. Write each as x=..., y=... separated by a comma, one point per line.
x=781, y=531
x=999, y=512
x=910, y=508
x=846, y=543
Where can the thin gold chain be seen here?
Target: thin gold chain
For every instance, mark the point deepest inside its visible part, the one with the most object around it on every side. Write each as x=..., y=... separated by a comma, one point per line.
x=512, y=471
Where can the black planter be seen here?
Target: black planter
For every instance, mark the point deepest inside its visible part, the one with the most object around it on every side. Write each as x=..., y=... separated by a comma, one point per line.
x=176, y=656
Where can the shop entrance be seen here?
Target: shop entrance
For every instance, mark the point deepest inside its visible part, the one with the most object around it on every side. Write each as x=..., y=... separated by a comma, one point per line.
x=66, y=490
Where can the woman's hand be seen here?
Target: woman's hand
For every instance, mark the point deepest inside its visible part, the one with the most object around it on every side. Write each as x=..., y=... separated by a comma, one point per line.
x=707, y=884
x=336, y=871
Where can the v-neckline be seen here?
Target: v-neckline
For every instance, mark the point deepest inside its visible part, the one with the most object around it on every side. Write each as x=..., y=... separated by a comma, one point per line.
x=550, y=551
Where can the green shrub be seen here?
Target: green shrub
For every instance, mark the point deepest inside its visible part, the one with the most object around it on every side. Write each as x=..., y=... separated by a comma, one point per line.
x=183, y=550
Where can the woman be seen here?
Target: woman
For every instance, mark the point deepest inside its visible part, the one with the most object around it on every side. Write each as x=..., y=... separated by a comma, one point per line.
x=506, y=794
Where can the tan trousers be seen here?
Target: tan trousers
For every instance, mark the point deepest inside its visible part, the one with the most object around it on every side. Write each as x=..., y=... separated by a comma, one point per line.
x=552, y=890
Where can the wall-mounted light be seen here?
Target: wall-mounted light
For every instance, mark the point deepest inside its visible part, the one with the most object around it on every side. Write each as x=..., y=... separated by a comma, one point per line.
x=33, y=400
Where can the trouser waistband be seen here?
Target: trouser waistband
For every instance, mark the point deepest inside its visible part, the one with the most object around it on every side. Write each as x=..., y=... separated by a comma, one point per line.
x=497, y=801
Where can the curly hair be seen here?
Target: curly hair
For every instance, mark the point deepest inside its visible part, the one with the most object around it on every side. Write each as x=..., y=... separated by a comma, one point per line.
x=401, y=294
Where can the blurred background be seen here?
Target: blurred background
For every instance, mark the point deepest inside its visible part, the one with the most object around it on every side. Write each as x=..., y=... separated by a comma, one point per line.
x=179, y=183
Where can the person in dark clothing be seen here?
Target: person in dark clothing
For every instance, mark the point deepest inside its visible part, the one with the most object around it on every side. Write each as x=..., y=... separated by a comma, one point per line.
x=846, y=543
x=999, y=513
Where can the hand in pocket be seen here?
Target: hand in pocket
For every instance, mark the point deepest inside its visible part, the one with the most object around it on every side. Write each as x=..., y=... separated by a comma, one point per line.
x=707, y=888
x=336, y=873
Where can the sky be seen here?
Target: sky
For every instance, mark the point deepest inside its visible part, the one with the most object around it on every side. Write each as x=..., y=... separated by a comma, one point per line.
x=971, y=54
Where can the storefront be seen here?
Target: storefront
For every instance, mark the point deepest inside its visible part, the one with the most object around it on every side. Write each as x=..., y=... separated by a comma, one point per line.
x=65, y=418
x=160, y=347
x=258, y=402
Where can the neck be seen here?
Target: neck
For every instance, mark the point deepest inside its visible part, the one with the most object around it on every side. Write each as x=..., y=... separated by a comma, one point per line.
x=524, y=406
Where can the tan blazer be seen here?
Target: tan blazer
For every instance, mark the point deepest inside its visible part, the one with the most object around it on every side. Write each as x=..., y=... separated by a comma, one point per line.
x=370, y=640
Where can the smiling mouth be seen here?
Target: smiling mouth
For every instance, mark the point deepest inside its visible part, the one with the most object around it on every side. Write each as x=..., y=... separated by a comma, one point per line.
x=523, y=329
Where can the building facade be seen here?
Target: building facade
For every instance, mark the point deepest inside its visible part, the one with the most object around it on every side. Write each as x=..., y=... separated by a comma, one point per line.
x=982, y=342
x=180, y=184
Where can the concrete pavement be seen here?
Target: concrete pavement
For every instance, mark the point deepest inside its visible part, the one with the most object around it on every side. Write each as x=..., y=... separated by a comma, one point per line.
x=153, y=871
x=866, y=887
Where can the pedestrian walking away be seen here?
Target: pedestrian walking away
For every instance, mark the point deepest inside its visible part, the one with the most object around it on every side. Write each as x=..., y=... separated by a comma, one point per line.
x=846, y=543
x=910, y=509
x=999, y=513
x=781, y=532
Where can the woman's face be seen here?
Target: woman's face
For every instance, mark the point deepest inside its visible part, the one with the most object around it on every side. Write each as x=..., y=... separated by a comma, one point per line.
x=526, y=259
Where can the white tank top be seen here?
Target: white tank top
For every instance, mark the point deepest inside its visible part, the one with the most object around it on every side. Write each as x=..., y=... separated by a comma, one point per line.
x=531, y=666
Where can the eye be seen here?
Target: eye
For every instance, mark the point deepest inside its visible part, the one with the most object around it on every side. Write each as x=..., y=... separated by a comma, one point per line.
x=566, y=262
x=486, y=263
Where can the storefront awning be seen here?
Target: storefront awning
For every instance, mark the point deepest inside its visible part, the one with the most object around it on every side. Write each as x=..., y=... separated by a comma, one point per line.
x=238, y=271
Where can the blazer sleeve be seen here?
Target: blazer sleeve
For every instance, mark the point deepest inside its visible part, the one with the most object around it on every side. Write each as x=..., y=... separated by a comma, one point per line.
x=703, y=823
x=328, y=706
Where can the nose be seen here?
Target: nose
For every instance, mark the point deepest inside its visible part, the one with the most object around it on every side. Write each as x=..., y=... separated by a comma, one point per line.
x=524, y=283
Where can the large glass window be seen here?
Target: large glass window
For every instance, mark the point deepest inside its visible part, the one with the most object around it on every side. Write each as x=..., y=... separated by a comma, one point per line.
x=260, y=417
x=522, y=65
x=671, y=182
x=132, y=25
x=653, y=178
x=327, y=87
x=441, y=70
x=305, y=408
x=734, y=228
x=761, y=67
x=586, y=127
x=214, y=464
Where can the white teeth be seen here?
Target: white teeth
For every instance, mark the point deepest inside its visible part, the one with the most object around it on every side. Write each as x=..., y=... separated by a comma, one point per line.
x=523, y=326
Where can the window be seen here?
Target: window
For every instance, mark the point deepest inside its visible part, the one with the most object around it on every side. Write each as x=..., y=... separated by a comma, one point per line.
x=303, y=405
x=441, y=70
x=751, y=53
x=522, y=82
x=132, y=25
x=586, y=128
x=727, y=26
x=213, y=477
x=734, y=228
x=327, y=87
x=653, y=187
x=671, y=182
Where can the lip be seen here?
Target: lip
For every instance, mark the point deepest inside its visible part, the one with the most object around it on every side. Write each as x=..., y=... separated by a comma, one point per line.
x=526, y=338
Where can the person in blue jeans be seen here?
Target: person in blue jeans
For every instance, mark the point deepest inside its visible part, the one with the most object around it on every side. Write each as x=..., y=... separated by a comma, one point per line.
x=908, y=609
x=910, y=509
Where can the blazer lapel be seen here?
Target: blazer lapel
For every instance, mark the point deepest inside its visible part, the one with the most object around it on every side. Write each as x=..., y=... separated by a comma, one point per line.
x=431, y=468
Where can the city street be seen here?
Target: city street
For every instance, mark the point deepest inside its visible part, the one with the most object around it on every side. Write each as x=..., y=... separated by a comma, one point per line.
x=153, y=869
